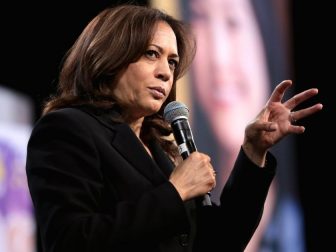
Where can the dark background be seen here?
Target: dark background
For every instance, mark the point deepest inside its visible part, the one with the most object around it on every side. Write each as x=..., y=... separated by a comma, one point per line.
x=314, y=51
x=35, y=36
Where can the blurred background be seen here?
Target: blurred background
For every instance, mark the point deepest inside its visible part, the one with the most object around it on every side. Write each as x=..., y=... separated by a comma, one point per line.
x=292, y=40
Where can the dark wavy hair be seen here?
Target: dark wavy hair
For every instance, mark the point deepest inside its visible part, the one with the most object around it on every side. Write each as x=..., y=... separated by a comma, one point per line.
x=116, y=37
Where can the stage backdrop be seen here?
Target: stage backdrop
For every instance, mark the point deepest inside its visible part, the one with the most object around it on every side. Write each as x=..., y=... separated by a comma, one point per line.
x=243, y=51
x=17, y=223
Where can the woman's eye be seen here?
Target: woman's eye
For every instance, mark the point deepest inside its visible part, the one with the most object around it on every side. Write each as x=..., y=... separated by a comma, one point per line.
x=152, y=54
x=173, y=63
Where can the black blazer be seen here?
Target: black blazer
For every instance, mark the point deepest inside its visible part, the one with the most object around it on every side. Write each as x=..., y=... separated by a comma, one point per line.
x=95, y=188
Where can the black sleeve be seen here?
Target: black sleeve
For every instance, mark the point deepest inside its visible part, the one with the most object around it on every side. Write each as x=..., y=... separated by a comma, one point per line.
x=67, y=187
x=231, y=225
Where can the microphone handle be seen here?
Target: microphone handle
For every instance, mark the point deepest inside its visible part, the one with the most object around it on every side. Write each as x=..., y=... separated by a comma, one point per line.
x=206, y=201
x=186, y=144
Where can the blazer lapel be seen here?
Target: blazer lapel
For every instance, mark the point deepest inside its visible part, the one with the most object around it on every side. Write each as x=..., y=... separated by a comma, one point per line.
x=161, y=158
x=129, y=146
x=132, y=149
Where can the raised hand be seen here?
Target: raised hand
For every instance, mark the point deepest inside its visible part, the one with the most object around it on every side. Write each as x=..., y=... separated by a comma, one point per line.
x=276, y=120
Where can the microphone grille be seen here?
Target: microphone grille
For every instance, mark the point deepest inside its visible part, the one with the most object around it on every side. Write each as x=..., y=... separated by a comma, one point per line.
x=175, y=110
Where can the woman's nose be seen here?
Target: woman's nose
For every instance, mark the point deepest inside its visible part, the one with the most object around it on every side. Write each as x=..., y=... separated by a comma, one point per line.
x=163, y=70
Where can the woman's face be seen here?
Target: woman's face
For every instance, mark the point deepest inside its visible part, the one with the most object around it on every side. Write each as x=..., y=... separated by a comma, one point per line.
x=145, y=84
x=230, y=71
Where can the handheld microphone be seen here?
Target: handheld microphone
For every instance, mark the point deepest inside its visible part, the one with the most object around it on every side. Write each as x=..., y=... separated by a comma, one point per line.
x=177, y=113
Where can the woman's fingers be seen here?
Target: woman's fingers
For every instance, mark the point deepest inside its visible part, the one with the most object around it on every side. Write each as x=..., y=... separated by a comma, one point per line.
x=301, y=97
x=279, y=91
x=302, y=113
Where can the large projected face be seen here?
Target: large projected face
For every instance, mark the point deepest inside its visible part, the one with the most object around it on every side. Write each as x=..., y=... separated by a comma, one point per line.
x=230, y=71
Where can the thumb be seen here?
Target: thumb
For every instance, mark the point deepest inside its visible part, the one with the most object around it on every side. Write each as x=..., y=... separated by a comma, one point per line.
x=264, y=126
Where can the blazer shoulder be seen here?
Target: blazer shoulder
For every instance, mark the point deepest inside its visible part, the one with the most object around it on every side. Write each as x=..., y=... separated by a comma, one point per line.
x=65, y=117
x=70, y=114
x=82, y=117
x=65, y=112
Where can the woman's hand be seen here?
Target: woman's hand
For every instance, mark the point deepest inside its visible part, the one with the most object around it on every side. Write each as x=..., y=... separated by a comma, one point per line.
x=194, y=177
x=276, y=120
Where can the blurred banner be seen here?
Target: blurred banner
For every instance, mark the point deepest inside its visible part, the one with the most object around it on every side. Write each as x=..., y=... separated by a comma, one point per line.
x=17, y=223
x=243, y=52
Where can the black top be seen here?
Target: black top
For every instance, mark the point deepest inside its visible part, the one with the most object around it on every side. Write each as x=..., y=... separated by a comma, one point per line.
x=95, y=188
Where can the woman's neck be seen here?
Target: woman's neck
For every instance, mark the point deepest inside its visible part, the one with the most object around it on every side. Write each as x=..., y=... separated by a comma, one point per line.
x=136, y=125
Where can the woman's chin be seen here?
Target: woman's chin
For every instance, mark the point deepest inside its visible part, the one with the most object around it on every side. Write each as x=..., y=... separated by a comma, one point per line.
x=154, y=108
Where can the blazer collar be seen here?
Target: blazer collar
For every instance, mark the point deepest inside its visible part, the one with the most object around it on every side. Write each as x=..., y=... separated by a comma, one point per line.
x=129, y=146
x=163, y=161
